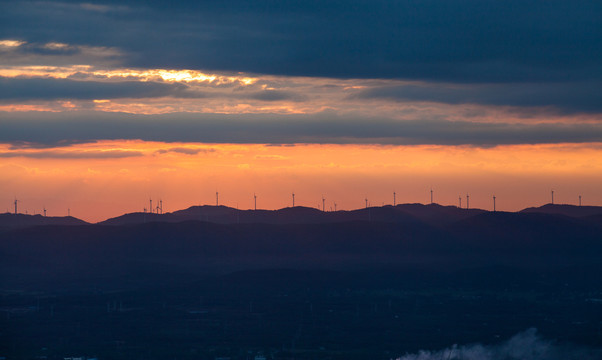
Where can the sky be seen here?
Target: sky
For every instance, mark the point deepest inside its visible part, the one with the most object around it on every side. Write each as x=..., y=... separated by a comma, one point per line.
x=105, y=104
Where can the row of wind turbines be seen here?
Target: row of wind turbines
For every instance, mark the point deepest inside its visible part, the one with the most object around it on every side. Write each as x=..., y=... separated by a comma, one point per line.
x=17, y=201
x=158, y=209
x=367, y=204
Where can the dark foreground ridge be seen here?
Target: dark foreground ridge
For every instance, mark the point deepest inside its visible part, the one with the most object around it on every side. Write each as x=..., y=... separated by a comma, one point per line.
x=8, y=220
x=299, y=283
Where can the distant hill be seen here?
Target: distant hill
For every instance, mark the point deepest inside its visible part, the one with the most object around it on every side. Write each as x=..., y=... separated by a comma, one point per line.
x=431, y=214
x=567, y=210
x=289, y=215
x=139, y=218
x=406, y=213
x=8, y=220
x=436, y=214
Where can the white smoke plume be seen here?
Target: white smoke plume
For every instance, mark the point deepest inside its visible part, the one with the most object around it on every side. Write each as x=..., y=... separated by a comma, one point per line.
x=526, y=345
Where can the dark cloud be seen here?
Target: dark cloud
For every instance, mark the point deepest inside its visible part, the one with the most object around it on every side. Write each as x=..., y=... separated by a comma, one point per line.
x=436, y=40
x=21, y=145
x=54, y=154
x=186, y=151
x=326, y=127
x=564, y=97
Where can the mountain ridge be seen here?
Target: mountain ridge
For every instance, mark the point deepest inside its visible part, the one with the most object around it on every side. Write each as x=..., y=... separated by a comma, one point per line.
x=432, y=214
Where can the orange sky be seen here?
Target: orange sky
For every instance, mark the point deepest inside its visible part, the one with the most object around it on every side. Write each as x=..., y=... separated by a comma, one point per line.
x=105, y=179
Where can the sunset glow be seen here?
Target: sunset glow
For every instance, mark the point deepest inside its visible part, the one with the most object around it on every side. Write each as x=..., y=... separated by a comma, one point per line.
x=104, y=179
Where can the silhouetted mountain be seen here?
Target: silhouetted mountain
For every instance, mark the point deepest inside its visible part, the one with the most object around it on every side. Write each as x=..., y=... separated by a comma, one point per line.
x=139, y=218
x=8, y=220
x=438, y=214
x=406, y=213
x=564, y=209
x=227, y=215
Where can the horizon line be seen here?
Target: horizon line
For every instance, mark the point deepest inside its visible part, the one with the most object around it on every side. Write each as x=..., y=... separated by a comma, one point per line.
x=434, y=204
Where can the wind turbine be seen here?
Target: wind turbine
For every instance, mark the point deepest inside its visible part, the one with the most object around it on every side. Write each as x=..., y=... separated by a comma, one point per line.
x=293, y=199
x=16, y=201
x=255, y=200
x=493, y=203
x=394, y=200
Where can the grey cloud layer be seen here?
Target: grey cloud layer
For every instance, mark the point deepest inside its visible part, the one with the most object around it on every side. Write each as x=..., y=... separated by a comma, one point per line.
x=52, y=89
x=186, y=151
x=327, y=127
x=52, y=154
x=23, y=89
x=571, y=98
x=566, y=97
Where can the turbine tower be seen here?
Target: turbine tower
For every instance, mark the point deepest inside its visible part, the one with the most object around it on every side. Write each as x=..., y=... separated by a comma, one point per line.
x=255, y=199
x=335, y=207
x=431, y=195
x=459, y=202
x=44, y=211
x=552, y=197
x=151, y=205
x=366, y=202
x=216, y=198
x=467, y=201
x=16, y=201
x=293, y=199
x=579, y=200
x=323, y=200
x=68, y=211
x=493, y=203
x=394, y=202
